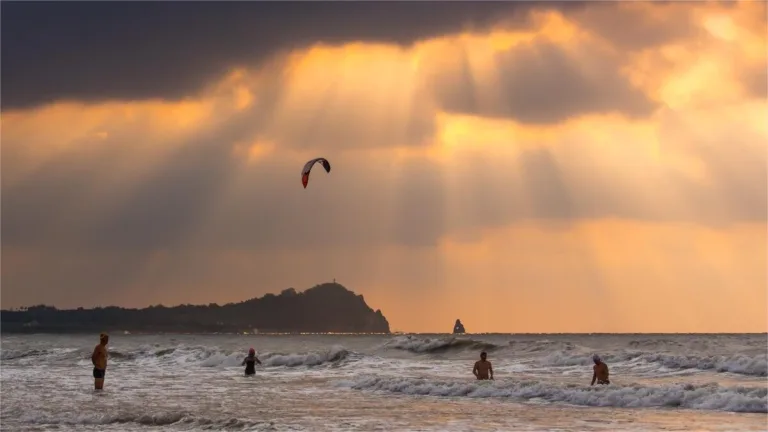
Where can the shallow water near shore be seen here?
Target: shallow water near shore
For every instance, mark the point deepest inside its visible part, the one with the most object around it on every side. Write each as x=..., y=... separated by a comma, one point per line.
x=416, y=382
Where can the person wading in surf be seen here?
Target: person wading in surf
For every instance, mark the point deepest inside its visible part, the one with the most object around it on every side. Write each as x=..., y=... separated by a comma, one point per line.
x=483, y=369
x=250, y=362
x=600, y=369
x=99, y=360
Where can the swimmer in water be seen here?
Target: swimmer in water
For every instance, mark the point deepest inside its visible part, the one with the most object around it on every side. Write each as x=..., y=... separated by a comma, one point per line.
x=483, y=369
x=99, y=360
x=250, y=362
x=600, y=371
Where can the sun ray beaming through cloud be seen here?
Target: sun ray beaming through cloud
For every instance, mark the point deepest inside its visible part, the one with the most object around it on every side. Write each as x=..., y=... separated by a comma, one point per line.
x=554, y=169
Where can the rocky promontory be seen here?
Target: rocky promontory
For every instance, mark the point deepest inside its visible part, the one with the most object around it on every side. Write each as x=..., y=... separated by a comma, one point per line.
x=324, y=308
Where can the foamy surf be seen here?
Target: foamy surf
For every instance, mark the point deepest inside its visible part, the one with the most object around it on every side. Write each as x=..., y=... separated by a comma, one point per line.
x=739, y=364
x=707, y=397
x=551, y=353
x=334, y=355
x=194, y=356
x=437, y=345
x=180, y=419
x=350, y=383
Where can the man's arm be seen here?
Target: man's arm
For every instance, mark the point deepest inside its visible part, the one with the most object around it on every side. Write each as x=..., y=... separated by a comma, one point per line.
x=474, y=370
x=594, y=375
x=490, y=369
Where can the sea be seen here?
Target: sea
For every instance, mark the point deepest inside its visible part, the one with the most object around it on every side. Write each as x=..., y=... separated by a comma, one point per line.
x=405, y=382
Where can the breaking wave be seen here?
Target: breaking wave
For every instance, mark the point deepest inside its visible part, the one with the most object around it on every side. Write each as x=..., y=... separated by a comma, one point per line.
x=700, y=397
x=334, y=355
x=192, y=355
x=538, y=346
x=147, y=419
x=737, y=364
x=437, y=345
x=11, y=354
x=568, y=354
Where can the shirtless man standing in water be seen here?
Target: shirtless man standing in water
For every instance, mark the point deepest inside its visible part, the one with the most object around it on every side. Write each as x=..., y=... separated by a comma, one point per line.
x=483, y=369
x=99, y=359
x=600, y=371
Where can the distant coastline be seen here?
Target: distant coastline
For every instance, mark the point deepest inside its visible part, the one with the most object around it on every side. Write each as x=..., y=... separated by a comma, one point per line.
x=322, y=309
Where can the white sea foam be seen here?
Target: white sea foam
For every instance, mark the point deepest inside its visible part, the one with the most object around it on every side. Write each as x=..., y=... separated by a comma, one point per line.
x=437, y=345
x=567, y=354
x=333, y=355
x=421, y=382
x=706, y=397
x=756, y=365
x=194, y=355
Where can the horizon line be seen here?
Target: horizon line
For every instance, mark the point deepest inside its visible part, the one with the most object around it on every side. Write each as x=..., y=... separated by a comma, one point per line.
x=398, y=333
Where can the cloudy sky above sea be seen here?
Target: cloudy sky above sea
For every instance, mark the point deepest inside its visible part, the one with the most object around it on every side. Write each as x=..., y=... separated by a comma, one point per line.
x=526, y=167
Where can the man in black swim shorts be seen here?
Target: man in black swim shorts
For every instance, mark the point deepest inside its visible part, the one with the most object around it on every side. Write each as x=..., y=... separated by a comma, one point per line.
x=99, y=359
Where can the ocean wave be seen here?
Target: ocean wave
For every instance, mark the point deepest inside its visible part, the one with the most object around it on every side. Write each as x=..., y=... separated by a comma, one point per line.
x=20, y=354
x=700, y=397
x=208, y=357
x=737, y=364
x=537, y=346
x=437, y=345
x=34, y=355
x=186, y=355
x=68, y=355
x=334, y=355
x=658, y=343
x=566, y=358
x=145, y=419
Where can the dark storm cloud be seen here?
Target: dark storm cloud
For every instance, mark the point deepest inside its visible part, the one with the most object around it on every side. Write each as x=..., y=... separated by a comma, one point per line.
x=138, y=50
x=542, y=83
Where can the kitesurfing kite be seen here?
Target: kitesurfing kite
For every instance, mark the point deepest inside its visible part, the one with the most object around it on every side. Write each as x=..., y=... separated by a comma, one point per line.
x=308, y=167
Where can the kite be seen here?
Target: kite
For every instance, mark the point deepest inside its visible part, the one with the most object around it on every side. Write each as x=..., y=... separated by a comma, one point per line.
x=308, y=167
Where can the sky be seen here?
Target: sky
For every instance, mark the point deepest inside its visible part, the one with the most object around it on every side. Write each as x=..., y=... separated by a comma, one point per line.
x=525, y=167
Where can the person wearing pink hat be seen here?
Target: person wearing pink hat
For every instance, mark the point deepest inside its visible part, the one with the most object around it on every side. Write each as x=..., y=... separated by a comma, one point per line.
x=250, y=362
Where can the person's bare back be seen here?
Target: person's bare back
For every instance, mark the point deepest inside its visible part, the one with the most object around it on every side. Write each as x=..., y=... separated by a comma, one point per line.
x=100, y=357
x=483, y=369
x=600, y=371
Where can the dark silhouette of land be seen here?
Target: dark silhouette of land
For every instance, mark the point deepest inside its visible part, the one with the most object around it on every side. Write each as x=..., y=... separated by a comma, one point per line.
x=328, y=307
